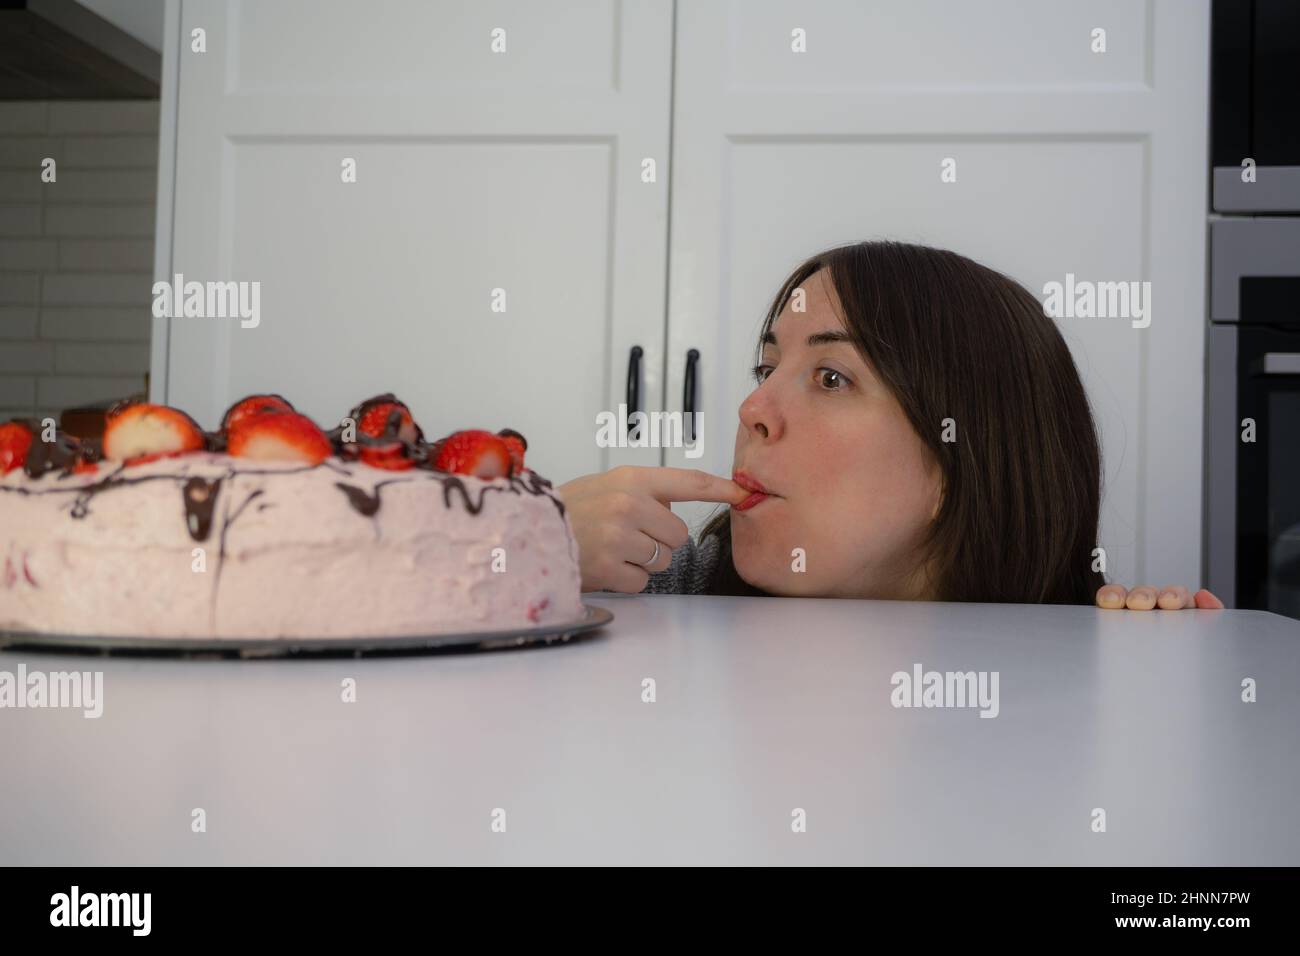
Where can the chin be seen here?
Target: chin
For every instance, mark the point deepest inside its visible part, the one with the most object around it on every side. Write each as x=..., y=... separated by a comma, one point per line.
x=762, y=561
x=743, y=558
x=755, y=574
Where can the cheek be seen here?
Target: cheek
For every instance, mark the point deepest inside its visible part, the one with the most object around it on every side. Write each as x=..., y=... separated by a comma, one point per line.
x=879, y=497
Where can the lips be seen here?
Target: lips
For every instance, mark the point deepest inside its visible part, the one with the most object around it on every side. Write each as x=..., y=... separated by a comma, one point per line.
x=751, y=484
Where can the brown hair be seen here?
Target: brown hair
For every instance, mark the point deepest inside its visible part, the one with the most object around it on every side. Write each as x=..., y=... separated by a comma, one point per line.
x=1022, y=482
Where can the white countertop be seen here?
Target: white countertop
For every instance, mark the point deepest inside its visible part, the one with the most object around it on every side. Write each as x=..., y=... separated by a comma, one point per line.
x=764, y=705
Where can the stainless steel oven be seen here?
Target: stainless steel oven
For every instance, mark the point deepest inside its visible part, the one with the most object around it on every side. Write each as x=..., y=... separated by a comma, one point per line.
x=1253, y=414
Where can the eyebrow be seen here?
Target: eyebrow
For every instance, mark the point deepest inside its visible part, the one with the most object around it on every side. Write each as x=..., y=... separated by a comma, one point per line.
x=828, y=337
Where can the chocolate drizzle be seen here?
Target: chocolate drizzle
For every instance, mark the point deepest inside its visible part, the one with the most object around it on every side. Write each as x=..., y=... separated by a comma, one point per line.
x=368, y=505
x=200, y=510
x=200, y=496
x=534, y=486
x=511, y=433
x=228, y=519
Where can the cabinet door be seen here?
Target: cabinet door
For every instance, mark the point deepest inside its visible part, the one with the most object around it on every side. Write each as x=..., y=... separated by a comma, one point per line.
x=1068, y=161
x=476, y=171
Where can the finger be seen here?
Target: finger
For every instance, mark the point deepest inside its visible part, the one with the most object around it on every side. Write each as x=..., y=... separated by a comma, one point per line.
x=1141, y=598
x=1204, y=599
x=647, y=516
x=626, y=579
x=1111, y=596
x=1174, y=598
x=643, y=548
x=689, y=484
x=579, y=487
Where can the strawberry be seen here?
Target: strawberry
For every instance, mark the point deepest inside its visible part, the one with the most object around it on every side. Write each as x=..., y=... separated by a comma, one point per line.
x=251, y=406
x=141, y=429
x=517, y=445
x=387, y=456
x=279, y=436
x=374, y=421
x=535, y=609
x=474, y=452
x=15, y=440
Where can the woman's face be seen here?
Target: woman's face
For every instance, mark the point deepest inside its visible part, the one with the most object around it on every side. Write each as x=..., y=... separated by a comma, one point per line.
x=852, y=484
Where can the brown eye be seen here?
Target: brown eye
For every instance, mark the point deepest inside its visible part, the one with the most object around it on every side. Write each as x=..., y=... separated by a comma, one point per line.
x=839, y=375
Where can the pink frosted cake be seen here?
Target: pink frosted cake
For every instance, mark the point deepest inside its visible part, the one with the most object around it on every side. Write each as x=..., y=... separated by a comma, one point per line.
x=273, y=528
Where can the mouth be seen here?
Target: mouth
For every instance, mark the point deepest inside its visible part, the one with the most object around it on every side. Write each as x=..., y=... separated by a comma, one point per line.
x=751, y=484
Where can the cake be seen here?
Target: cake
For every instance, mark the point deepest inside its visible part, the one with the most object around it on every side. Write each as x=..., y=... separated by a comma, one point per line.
x=270, y=527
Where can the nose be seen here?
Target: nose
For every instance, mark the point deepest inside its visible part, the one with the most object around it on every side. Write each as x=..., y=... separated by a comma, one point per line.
x=759, y=412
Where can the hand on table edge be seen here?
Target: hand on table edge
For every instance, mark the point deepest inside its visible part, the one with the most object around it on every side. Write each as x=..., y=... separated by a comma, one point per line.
x=1146, y=598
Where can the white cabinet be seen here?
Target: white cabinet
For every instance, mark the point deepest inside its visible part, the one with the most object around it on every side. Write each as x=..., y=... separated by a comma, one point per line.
x=475, y=171
x=1068, y=161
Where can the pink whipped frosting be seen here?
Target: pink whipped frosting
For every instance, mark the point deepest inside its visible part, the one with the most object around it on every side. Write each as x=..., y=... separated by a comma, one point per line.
x=287, y=554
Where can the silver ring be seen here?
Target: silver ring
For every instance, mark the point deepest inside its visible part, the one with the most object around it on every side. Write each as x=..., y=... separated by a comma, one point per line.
x=653, y=556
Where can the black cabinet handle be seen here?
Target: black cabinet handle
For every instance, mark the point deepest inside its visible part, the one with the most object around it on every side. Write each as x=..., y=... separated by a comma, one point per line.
x=688, y=396
x=633, y=383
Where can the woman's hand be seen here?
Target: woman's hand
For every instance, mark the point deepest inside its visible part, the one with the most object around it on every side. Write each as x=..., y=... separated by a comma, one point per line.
x=1144, y=598
x=618, y=517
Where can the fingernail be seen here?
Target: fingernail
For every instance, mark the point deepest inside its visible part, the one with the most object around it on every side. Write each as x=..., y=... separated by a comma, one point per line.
x=1168, y=594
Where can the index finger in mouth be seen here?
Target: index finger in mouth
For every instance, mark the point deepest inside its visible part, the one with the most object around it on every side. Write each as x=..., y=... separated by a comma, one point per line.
x=692, y=484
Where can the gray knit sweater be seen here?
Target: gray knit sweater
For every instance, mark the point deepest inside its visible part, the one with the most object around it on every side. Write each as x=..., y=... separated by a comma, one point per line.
x=692, y=566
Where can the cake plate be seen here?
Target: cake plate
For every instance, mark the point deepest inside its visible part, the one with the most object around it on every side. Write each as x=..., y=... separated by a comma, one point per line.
x=203, y=647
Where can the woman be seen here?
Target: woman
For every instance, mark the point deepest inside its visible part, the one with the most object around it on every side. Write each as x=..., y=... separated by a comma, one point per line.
x=922, y=433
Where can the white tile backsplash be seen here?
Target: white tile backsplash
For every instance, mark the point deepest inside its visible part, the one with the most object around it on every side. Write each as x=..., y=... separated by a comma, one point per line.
x=97, y=358
x=112, y=117
x=38, y=255
x=19, y=322
x=21, y=186
x=19, y=289
x=30, y=116
x=18, y=391
x=101, y=185
x=106, y=255
x=76, y=255
x=96, y=288
x=25, y=357
x=107, y=152
x=27, y=152
x=55, y=392
x=90, y=324
x=24, y=220
x=133, y=221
